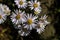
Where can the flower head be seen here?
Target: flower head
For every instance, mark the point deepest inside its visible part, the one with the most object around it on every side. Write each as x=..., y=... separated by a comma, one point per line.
x=5, y=9
x=42, y=23
x=43, y=19
x=21, y=3
x=30, y=21
x=17, y=17
x=34, y=4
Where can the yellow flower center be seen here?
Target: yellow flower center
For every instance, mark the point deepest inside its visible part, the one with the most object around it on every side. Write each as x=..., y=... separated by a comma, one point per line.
x=35, y=12
x=21, y=2
x=18, y=17
x=29, y=21
x=0, y=16
x=35, y=5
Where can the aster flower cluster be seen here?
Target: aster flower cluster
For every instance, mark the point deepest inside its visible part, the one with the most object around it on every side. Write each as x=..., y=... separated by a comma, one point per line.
x=25, y=22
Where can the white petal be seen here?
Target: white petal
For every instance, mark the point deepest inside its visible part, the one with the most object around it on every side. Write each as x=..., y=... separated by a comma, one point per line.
x=30, y=27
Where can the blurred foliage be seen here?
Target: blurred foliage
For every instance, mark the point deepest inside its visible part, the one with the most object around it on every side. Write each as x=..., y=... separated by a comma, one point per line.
x=49, y=32
x=49, y=7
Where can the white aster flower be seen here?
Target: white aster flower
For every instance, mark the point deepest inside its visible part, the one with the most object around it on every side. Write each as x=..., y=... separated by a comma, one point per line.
x=42, y=23
x=23, y=32
x=30, y=21
x=37, y=11
x=5, y=9
x=43, y=19
x=34, y=4
x=17, y=17
x=21, y=3
x=2, y=16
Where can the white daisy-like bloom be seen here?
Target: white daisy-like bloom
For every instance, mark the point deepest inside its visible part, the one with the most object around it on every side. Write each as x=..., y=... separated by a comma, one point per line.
x=43, y=19
x=34, y=4
x=30, y=21
x=5, y=9
x=21, y=3
x=37, y=11
x=2, y=16
x=18, y=17
x=23, y=32
x=42, y=23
